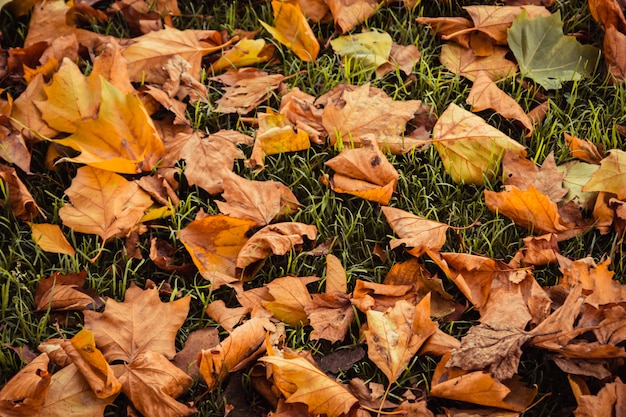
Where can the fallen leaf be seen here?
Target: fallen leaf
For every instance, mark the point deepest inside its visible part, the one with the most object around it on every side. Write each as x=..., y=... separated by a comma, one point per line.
x=22, y=203
x=48, y=21
x=277, y=239
x=245, y=89
x=370, y=49
x=330, y=315
x=448, y=26
x=485, y=94
x=302, y=382
x=141, y=323
x=380, y=297
x=462, y=61
x=540, y=250
x=301, y=112
x=521, y=173
x=289, y=298
x=25, y=392
x=187, y=358
x=227, y=317
x=348, y=14
x=63, y=292
x=528, y=208
x=576, y=175
x=244, y=53
x=50, y=238
x=147, y=54
x=276, y=135
x=243, y=342
x=583, y=149
x=480, y=388
x=364, y=110
x=609, y=177
x=547, y=56
x=609, y=401
x=364, y=172
x=161, y=253
x=161, y=383
x=418, y=234
x=214, y=243
x=615, y=54
x=259, y=201
x=608, y=13
x=402, y=57
x=395, y=336
x=336, y=278
x=103, y=203
x=292, y=30
x=92, y=365
x=470, y=148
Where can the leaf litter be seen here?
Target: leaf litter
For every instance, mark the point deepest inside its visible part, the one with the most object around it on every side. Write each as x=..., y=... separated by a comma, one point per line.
x=111, y=128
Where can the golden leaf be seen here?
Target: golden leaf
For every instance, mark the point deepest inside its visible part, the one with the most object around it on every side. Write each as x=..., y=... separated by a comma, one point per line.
x=244, y=53
x=50, y=238
x=292, y=30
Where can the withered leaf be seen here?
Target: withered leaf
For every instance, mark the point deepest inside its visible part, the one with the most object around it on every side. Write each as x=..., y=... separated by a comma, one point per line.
x=348, y=14
x=418, y=234
x=24, y=394
x=62, y=292
x=290, y=297
x=21, y=201
x=243, y=93
x=50, y=238
x=330, y=316
x=244, y=53
x=463, y=62
x=141, y=323
x=609, y=177
x=521, y=173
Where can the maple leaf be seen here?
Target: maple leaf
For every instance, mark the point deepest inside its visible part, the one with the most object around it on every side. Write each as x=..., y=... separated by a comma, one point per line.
x=528, y=208
x=521, y=173
x=24, y=394
x=292, y=30
x=69, y=390
x=245, y=89
x=289, y=298
x=348, y=14
x=480, y=388
x=608, y=401
x=62, y=292
x=125, y=330
x=301, y=381
x=330, y=315
x=470, y=148
x=615, y=54
x=50, y=238
x=152, y=383
x=244, y=53
x=362, y=110
x=240, y=347
x=546, y=55
x=301, y=112
x=228, y=318
x=583, y=149
x=420, y=235
x=609, y=177
x=463, y=61
x=485, y=94
x=103, y=203
x=393, y=337
x=21, y=201
x=214, y=243
x=147, y=54
x=277, y=239
x=364, y=172
x=374, y=296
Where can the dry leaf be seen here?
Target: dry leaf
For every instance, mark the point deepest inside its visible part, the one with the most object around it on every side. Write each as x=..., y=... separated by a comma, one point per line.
x=609, y=401
x=348, y=13
x=227, y=317
x=485, y=94
x=215, y=363
x=24, y=394
x=300, y=381
x=583, y=149
x=140, y=324
x=364, y=172
x=187, y=358
x=292, y=30
x=245, y=89
x=277, y=239
x=470, y=148
x=463, y=62
x=330, y=316
x=276, y=135
x=336, y=279
x=614, y=48
x=609, y=177
x=288, y=299
x=244, y=53
x=63, y=292
x=22, y=203
x=418, y=234
x=364, y=110
x=50, y=238
x=214, y=243
x=521, y=173
x=301, y=112
x=103, y=203
x=380, y=297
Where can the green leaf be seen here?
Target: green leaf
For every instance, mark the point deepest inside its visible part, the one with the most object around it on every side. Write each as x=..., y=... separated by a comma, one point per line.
x=546, y=55
x=370, y=49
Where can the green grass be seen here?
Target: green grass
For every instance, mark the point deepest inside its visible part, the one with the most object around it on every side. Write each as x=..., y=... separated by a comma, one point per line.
x=589, y=109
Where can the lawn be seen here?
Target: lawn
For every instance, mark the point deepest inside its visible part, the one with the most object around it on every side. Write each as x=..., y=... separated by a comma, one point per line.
x=357, y=231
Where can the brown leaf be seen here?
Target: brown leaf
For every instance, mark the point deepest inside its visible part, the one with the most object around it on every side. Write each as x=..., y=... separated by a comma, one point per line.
x=364, y=110
x=300, y=381
x=161, y=253
x=244, y=53
x=187, y=358
x=62, y=292
x=364, y=172
x=301, y=112
x=245, y=89
x=480, y=388
x=239, y=347
x=103, y=203
x=50, y=238
x=371, y=295
x=609, y=177
x=418, y=234
x=276, y=135
x=330, y=316
x=227, y=317
x=21, y=201
x=259, y=201
x=152, y=383
x=608, y=13
x=277, y=239
x=448, y=26
x=614, y=48
x=583, y=149
x=348, y=14
x=497, y=350
x=521, y=173
x=402, y=57
x=539, y=250
x=463, y=62
x=147, y=54
x=48, y=21
x=23, y=395
x=609, y=401
x=26, y=113
x=141, y=323
x=485, y=94
x=289, y=299
x=393, y=337
x=336, y=279
x=214, y=243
